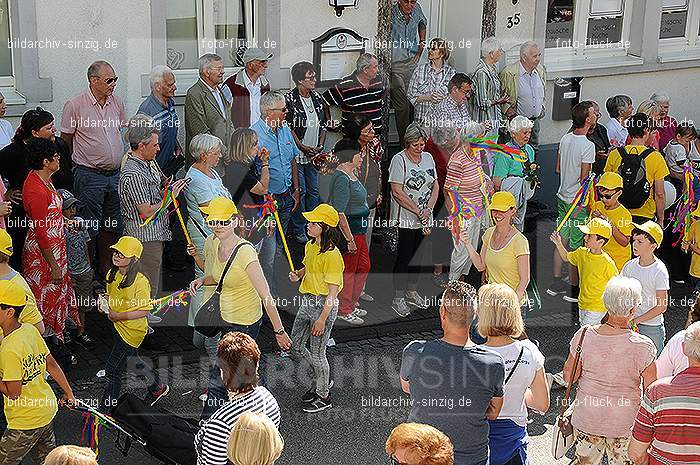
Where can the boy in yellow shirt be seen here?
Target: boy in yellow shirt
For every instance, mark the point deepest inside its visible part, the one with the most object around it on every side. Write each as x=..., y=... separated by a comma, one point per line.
x=610, y=209
x=30, y=403
x=693, y=244
x=595, y=268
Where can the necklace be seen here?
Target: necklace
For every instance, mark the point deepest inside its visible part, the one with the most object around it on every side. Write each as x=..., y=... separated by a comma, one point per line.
x=616, y=327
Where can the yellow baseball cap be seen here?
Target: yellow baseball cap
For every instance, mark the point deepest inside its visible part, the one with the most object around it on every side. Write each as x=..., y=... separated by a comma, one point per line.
x=129, y=247
x=696, y=212
x=653, y=229
x=5, y=242
x=502, y=201
x=597, y=226
x=610, y=180
x=219, y=209
x=12, y=294
x=324, y=213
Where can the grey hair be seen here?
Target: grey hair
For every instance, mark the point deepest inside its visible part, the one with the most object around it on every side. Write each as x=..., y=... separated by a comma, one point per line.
x=414, y=132
x=158, y=74
x=691, y=341
x=206, y=60
x=471, y=129
x=622, y=294
x=519, y=123
x=95, y=68
x=364, y=62
x=141, y=128
x=657, y=97
x=525, y=46
x=615, y=105
x=647, y=107
x=269, y=99
x=444, y=135
x=203, y=143
x=490, y=44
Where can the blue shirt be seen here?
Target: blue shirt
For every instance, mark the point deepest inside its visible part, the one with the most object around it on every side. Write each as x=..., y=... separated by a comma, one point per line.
x=282, y=150
x=404, y=36
x=167, y=122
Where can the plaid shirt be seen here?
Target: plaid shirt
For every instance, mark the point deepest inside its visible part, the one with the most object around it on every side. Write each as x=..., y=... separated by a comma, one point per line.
x=425, y=81
x=448, y=113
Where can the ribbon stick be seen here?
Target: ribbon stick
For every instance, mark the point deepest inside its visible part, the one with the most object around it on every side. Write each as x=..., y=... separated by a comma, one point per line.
x=581, y=199
x=162, y=208
x=461, y=210
x=681, y=219
x=490, y=144
x=176, y=204
x=176, y=299
x=284, y=240
x=269, y=207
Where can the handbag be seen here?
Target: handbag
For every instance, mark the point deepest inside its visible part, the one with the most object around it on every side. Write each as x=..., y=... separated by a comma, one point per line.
x=208, y=320
x=390, y=234
x=563, y=437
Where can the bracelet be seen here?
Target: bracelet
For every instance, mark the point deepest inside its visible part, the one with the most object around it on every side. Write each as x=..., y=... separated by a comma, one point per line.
x=280, y=331
x=266, y=165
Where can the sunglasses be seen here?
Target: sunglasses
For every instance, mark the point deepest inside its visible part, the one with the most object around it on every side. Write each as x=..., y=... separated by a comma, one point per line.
x=112, y=80
x=215, y=223
x=606, y=196
x=118, y=254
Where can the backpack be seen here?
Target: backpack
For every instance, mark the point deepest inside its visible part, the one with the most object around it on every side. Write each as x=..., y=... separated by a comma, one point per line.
x=635, y=186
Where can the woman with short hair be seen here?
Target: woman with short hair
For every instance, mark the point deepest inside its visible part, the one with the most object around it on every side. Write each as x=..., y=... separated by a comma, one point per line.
x=525, y=385
x=254, y=440
x=619, y=108
x=665, y=123
x=428, y=84
x=419, y=444
x=488, y=95
x=238, y=357
x=614, y=362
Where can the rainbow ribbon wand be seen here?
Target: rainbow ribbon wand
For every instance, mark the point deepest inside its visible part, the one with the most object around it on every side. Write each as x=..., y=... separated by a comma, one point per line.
x=176, y=204
x=580, y=199
x=162, y=208
x=681, y=218
x=281, y=231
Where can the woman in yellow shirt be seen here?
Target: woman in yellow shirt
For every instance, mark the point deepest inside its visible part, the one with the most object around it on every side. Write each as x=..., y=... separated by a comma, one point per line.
x=321, y=281
x=244, y=293
x=129, y=302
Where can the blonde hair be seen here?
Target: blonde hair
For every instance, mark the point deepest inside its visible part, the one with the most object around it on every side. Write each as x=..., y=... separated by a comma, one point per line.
x=499, y=311
x=649, y=108
x=427, y=442
x=438, y=43
x=71, y=455
x=242, y=142
x=254, y=440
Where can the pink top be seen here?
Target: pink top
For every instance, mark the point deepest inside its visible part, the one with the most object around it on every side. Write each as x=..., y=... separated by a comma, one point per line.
x=97, y=141
x=2, y=199
x=609, y=393
x=672, y=359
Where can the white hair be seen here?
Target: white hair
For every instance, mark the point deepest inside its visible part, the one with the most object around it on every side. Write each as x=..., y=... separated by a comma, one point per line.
x=621, y=294
x=470, y=130
x=206, y=60
x=525, y=46
x=158, y=74
x=269, y=100
x=203, y=143
x=519, y=123
x=657, y=97
x=364, y=62
x=444, y=135
x=691, y=341
x=490, y=44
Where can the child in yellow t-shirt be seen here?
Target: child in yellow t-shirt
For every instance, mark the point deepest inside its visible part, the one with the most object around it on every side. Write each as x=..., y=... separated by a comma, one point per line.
x=693, y=244
x=30, y=403
x=595, y=268
x=610, y=209
x=321, y=281
x=129, y=302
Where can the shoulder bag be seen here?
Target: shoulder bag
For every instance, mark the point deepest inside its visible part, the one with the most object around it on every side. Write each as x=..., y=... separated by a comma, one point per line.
x=391, y=232
x=208, y=320
x=563, y=435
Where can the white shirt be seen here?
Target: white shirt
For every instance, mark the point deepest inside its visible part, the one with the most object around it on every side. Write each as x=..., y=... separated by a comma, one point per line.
x=574, y=150
x=653, y=278
x=617, y=133
x=514, y=407
x=255, y=94
x=217, y=97
x=312, y=123
x=672, y=359
x=6, y=133
x=530, y=93
x=676, y=157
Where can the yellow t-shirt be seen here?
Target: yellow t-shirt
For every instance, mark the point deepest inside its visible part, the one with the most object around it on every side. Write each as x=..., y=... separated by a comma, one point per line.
x=23, y=357
x=240, y=302
x=322, y=269
x=502, y=264
x=695, y=258
x=135, y=297
x=594, y=273
x=656, y=169
x=621, y=218
x=30, y=314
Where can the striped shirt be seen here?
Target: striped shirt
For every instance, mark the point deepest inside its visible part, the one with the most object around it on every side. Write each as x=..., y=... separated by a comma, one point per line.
x=352, y=97
x=212, y=439
x=669, y=419
x=167, y=122
x=141, y=183
x=427, y=80
x=487, y=88
x=448, y=113
x=463, y=174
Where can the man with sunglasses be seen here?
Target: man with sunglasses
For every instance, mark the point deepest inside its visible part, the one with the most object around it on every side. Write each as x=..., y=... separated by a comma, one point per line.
x=247, y=87
x=91, y=125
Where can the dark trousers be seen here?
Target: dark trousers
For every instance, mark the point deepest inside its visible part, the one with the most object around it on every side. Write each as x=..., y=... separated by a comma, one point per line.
x=217, y=394
x=116, y=366
x=408, y=259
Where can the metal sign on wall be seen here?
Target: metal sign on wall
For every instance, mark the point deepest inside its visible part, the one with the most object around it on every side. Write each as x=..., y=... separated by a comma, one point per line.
x=335, y=54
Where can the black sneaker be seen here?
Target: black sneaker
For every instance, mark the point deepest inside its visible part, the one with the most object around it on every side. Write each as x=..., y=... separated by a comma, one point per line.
x=153, y=397
x=318, y=404
x=310, y=395
x=83, y=339
x=572, y=295
x=557, y=287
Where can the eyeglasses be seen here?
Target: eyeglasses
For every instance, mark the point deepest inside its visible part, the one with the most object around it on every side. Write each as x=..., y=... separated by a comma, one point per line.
x=112, y=80
x=311, y=78
x=216, y=223
x=283, y=109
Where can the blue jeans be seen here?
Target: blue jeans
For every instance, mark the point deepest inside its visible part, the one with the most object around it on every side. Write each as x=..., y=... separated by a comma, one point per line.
x=656, y=333
x=115, y=367
x=308, y=196
x=217, y=394
x=271, y=252
x=99, y=200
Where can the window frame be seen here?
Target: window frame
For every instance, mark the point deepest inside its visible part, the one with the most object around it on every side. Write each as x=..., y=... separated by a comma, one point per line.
x=9, y=81
x=688, y=46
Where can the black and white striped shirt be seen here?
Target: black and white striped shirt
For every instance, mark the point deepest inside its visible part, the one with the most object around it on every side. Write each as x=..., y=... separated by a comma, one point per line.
x=352, y=97
x=212, y=439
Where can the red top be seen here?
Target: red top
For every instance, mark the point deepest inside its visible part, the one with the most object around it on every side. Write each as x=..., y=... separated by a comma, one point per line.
x=36, y=197
x=441, y=157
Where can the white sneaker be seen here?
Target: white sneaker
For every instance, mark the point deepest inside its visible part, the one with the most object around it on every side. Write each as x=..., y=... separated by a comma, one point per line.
x=558, y=378
x=359, y=312
x=399, y=306
x=415, y=299
x=351, y=319
x=366, y=297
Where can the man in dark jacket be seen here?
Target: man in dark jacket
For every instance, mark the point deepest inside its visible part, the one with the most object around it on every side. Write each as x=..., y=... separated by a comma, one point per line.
x=247, y=86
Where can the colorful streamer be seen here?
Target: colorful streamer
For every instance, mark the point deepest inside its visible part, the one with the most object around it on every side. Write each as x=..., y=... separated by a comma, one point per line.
x=461, y=209
x=269, y=207
x=488, y=143
x=585, y=196
x=681, y=219
x=176, y=204
x=177, y=299
x=162, y=209
x=90, y=435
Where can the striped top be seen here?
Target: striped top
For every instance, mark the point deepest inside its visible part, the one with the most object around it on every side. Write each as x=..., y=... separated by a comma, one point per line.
x=352, y=97
x=463, y=174
x=212, y=439
x=669, y=418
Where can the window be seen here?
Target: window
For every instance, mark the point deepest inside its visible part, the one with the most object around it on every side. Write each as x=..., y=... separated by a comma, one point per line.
x=680, y=30
x=581, y=24
x=5, y=48
x=674, y=18
x=196, y=27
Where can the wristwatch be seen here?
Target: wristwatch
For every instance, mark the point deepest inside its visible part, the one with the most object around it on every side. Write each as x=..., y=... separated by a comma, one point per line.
x=280, y=331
